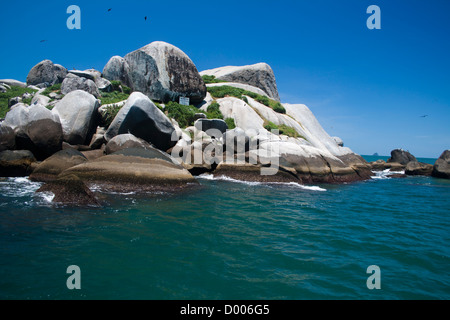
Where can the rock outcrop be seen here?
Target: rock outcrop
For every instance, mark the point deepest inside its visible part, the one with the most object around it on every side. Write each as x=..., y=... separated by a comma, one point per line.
x=144, y=170
x=214, y=126
x=441, y=168
x=126, y=141
x=401, y=156
x=159, y=70
x=13, y=83
x=259, y=75
x=74, y=82
x=16, y=163
x=70, y=190
x=7, y=138
x=140, y=117
x=49, y=169
x=414, y=168
x=77, y=111
x=37, y=129
x=117, y=69
x=45, y=73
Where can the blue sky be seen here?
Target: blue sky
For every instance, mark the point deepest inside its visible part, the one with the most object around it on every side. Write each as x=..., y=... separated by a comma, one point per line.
x=370, y=87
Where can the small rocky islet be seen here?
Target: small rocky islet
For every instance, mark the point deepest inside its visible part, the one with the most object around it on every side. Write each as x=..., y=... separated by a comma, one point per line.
x=124, y=129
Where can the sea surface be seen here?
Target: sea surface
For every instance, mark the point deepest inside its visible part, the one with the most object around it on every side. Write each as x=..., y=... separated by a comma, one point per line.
x=231, y=240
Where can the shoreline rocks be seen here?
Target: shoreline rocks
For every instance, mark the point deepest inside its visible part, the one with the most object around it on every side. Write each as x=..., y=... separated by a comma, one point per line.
x=70, y=190
x=132, y=170
x=17, y=163
x=441, y=168
x=49, y=169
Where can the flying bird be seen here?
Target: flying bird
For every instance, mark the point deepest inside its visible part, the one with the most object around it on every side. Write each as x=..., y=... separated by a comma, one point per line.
x=43, y=41
x=145, y=18
x=424, y=116
x=109, y=9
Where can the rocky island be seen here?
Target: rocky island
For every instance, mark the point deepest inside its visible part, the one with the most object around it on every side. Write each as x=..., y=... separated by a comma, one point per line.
x=127, y=127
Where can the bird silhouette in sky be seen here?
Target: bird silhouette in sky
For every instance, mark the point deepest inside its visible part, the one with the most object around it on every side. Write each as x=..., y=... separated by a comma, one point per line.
x=145, y=18
x=424, y=116
x=42, y=41
x=109, y=10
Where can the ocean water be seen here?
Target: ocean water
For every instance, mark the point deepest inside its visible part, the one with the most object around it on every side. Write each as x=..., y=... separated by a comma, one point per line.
x=231, y=240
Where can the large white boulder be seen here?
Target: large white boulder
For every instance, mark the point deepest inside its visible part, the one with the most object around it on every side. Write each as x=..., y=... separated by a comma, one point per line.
x=77, y=111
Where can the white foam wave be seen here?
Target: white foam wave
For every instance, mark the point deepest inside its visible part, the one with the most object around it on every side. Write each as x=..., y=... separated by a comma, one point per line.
x=18, y=187
x=47, y=196
x=385, y=174
x=207, y=176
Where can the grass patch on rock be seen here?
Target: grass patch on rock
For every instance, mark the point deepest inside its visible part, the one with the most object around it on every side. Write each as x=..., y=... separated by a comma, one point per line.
x=12, y=93
x=119, y=93
x=228, y=91
x=184, y=115
x=56, y=88
x=213, y=111
x=230, y=123
x=211, y=79
x=282, y=129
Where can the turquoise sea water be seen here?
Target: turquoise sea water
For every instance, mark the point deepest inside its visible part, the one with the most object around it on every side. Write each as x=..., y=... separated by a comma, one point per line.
x=232, y=240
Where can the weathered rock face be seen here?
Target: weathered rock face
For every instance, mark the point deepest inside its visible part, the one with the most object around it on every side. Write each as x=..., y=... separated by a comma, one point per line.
x=164, y=73
x=13, y=83
x=49, y=169
x=259, y=75
x=311, y=157
x=126, y=141
x=70, y=190
x=117, y=69
x=44, y=130
x=401, y=156
x=79, y=83
x=442, y=166
x=138, y=170
x=16, y=163
x=415, y=168
x=141, y=118
x=95, y=76
x=46, y=73
x=210, y=126
x=7, y=138
x=339, y=141
x=78, y=112
x=37, y=129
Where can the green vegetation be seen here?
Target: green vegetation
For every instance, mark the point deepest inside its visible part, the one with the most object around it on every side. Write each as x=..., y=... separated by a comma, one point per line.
x=113, y=97
x=54, y=88
x=184, y=115
x=230, y=123
x=211, y=79
x=269, y=126
x=119, y=93
x=283, y=129
x=228, y=91
x=111, y=113
x=12, y=93
x=117, y=85
x=213, y=111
